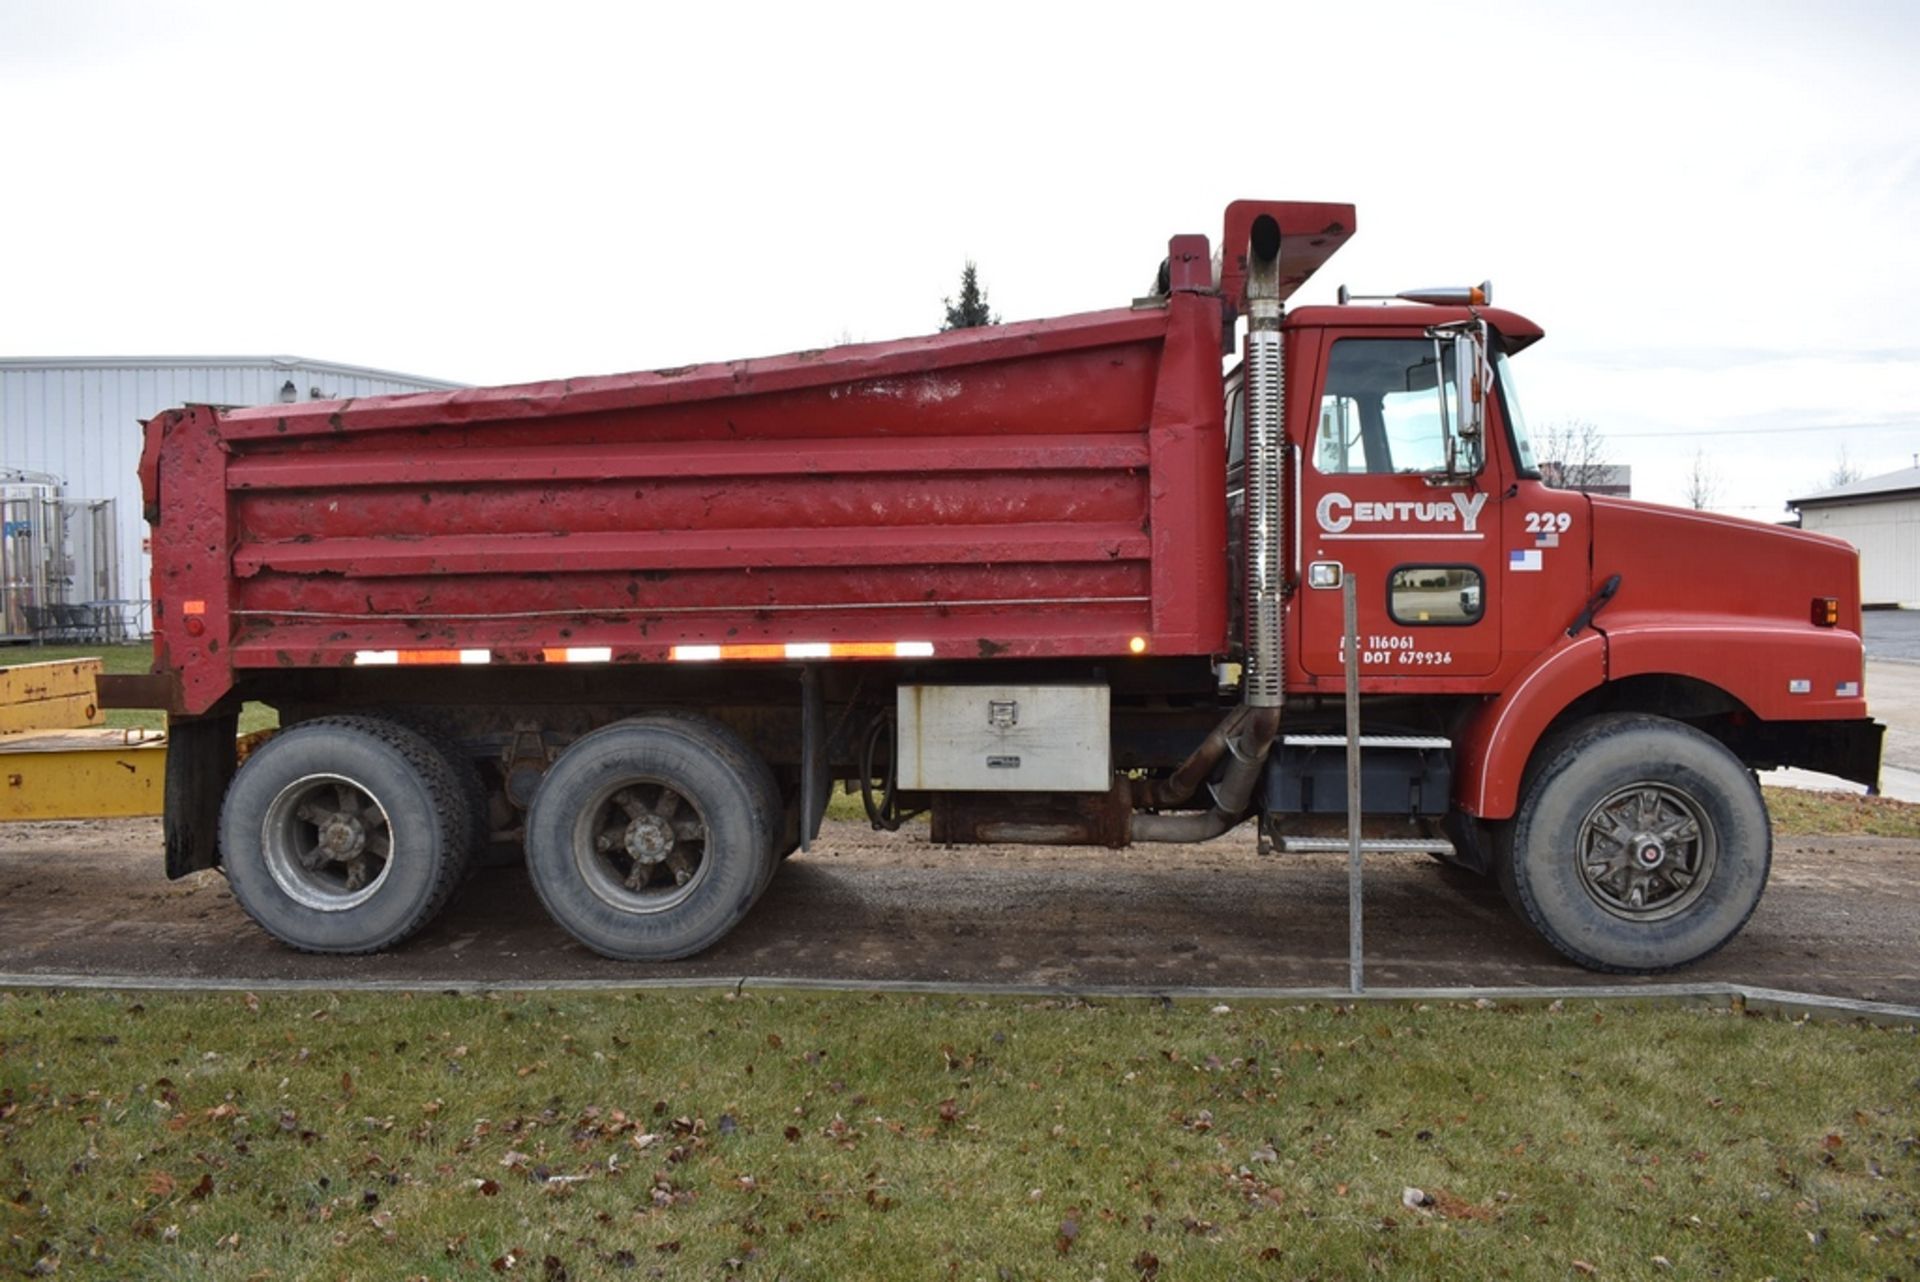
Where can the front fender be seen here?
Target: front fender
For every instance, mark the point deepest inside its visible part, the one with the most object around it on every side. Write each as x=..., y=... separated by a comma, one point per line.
x=1491, y=750
x=1779, y=671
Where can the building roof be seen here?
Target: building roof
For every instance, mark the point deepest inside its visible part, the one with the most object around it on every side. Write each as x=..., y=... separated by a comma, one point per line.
x=1872, y=487
x=199, y=362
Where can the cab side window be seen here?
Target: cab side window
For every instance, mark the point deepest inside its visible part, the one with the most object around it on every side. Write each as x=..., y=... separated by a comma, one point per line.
x=1381, y=409
x=1236, y=428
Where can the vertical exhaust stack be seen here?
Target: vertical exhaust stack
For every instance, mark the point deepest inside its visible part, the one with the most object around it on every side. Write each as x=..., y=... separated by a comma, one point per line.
x=1246, y=737
x=1266, y=496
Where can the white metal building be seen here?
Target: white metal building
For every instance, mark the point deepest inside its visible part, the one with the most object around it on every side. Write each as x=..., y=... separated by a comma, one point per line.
x=1881, y=516
x=76, y=420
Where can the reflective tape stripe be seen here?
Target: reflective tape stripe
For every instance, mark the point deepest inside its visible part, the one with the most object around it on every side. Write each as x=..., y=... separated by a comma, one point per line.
x=805, y=650
x=579, y=654
x=406, y=658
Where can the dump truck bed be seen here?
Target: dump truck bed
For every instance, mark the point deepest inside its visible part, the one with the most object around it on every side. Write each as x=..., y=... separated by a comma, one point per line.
x=1049, y=488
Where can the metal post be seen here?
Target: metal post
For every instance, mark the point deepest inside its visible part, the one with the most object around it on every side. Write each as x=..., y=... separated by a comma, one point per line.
x=1356, y=966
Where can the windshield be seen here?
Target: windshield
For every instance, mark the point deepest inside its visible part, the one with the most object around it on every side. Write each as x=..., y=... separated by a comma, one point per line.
x=1516, y=423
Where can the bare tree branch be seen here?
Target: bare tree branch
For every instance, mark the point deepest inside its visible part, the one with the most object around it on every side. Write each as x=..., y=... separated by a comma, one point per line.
x=1574, y=454
x=1845, y=470
x=1703, y=483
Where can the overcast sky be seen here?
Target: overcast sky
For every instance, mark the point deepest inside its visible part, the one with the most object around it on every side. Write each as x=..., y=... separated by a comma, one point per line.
x=1711, y=209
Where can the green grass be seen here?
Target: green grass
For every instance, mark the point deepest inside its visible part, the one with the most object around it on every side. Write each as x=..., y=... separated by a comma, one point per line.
x=841, y=1136
x=1799, y=813
x=128, y=659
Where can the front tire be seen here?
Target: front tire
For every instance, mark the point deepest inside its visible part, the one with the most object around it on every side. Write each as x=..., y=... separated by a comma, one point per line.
x=1641, y=844
x=344, y=835
x=650, y=839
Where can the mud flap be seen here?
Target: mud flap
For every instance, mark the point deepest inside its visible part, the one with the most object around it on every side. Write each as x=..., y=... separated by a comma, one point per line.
x=200, y=765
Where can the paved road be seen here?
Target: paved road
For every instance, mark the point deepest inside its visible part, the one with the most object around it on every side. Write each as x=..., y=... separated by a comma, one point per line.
x=1892, y=634
x=1840, y=919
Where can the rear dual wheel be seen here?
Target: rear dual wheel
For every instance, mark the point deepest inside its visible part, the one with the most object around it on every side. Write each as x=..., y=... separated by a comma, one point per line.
x=345, y=834
x=650, y=839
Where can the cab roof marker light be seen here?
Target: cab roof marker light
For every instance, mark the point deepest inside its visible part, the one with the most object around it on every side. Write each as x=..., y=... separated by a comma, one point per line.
x=1480, y=295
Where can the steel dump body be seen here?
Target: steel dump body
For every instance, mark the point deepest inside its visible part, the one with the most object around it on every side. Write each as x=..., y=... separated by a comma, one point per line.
x=1053, y=488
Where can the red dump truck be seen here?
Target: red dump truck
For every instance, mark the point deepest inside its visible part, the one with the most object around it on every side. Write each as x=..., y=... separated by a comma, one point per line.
x=1054, y=581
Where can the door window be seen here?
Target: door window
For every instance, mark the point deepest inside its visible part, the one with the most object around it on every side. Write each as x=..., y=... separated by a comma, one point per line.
x=1420, y=595
x=1381, y=409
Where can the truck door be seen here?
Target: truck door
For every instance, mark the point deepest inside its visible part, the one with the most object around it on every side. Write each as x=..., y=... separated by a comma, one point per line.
x=1374, y=505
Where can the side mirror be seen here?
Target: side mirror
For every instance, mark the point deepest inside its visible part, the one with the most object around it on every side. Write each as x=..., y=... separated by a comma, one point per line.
x=1460, y=351
x=1470, y=385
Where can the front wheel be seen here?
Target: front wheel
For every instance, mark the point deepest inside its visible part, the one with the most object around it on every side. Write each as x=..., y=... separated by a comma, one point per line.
x=1640, y=845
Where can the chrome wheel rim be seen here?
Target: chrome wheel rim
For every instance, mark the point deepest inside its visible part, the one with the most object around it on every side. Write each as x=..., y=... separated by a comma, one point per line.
x=641, y=846
x=328, y=842
x=1647, y=852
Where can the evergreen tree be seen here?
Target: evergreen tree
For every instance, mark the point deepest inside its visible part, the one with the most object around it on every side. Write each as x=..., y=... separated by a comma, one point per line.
x=972, y=310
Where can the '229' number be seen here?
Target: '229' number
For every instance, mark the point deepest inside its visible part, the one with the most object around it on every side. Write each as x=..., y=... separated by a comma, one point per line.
x=1548, y=522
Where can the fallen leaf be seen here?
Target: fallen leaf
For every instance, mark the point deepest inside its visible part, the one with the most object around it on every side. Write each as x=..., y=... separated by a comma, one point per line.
x=1067, y=1234
x=1583, y=1268
x=1415, y=1199
x=1455, y=1207
x=202, y=1190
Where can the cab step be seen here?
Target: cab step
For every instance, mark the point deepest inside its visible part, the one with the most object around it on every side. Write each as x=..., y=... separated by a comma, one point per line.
x=1409, y=742
x=1368, y=845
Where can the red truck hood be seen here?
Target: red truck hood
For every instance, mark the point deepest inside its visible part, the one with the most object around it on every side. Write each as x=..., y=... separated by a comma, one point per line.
x=1701, y=563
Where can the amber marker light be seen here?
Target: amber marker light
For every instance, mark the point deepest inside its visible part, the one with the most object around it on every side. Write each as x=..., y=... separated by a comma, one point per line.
x=1826, y=612
x=1138, y=645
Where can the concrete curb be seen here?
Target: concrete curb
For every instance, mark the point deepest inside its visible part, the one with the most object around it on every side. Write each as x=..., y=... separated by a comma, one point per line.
x=1734, y=996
